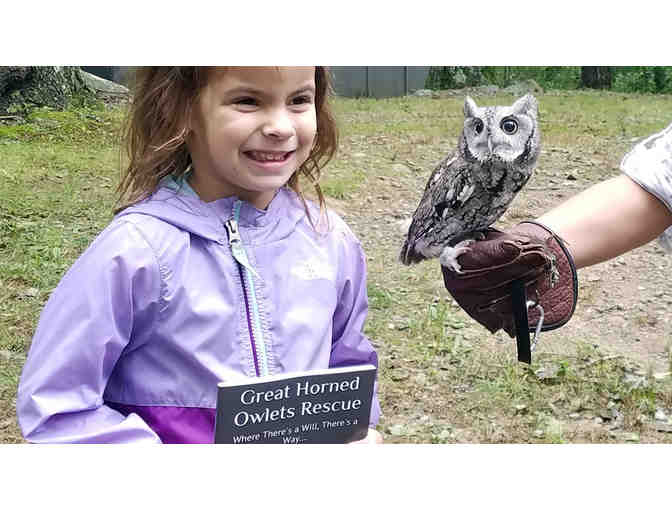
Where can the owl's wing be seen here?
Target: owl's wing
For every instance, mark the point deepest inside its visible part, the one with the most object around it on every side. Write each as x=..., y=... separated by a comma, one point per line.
x=451, y=189
x=448, y=189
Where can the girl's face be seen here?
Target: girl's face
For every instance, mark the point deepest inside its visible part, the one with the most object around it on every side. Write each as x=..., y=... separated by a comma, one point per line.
x=250, y=130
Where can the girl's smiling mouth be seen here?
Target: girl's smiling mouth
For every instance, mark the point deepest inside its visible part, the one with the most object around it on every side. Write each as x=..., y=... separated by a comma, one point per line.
x=268, y=156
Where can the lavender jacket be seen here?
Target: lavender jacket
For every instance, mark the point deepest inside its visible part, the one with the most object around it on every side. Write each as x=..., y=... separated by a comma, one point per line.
x=173, y=297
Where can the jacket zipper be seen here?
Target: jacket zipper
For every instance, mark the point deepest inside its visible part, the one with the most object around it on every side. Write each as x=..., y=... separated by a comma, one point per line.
x=247, y=273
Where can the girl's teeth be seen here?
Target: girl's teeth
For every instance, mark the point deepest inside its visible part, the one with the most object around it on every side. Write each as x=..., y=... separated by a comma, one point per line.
x=264, y=156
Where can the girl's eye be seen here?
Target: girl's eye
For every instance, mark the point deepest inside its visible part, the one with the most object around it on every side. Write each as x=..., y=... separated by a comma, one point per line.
x=247, y=101
x=302, y=100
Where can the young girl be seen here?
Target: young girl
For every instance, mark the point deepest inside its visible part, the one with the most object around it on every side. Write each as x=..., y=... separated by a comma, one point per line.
x=215, y=265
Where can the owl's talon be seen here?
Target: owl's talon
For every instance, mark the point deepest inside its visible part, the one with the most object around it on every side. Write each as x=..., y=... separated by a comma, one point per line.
x=449, y=255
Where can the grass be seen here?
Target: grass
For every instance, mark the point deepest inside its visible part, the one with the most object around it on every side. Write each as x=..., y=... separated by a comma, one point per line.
x=442, y=379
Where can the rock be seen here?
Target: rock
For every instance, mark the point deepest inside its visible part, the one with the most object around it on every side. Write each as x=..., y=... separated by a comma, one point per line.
x=29, y=293
x=22, y=88
x=399, y=375
x=420, y=379
x=423, y=93
x=444, y=435
x=663, y=427
x=103, y=85
x=404, y=224
x=397, y=430
x=660, y=415
x=546, y=372
x=634, y=381
x=605, y=415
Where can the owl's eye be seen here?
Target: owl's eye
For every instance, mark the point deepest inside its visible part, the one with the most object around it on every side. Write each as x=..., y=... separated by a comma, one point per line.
x=478, y=126
x=509, y=126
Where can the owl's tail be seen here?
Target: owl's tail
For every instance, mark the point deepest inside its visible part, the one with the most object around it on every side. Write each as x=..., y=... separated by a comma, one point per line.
x=409, y=255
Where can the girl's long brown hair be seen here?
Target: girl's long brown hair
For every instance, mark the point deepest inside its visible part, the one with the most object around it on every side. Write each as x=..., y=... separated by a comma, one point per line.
x=156, y=130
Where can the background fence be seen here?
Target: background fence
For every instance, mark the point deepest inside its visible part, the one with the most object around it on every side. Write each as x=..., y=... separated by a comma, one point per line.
x=378, y=81
x=349, y=81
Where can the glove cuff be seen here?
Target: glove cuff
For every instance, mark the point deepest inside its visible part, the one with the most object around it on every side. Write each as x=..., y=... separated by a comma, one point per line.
x=557, y=294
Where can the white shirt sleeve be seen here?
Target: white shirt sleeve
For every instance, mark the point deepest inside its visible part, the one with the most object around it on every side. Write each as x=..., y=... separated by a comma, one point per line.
x=649, y=164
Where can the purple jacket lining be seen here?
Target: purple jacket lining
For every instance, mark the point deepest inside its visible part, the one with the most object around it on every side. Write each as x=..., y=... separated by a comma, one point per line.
x=175, y=424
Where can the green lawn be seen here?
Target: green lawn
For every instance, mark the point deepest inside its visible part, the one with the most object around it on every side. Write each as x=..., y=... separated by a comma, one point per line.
x=59, y=172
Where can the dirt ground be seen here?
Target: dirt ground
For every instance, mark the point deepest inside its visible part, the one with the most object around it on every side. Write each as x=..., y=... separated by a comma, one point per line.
x=623, y=304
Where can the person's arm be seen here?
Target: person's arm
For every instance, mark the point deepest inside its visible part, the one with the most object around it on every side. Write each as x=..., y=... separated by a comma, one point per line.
x=111, y=290
x=349, y=344
x=607, y=220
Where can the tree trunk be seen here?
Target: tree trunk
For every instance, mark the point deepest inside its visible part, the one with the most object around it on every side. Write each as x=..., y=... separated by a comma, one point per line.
x=596, y=77
x=22, y=88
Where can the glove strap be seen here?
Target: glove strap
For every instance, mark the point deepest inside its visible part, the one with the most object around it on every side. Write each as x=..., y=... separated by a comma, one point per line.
x=519, y=305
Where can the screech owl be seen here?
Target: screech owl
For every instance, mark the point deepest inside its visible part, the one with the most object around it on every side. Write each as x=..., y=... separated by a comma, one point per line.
x=471, y=188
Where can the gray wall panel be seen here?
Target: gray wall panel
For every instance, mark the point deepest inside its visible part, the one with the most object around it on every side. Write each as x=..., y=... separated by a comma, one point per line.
x=378, y=81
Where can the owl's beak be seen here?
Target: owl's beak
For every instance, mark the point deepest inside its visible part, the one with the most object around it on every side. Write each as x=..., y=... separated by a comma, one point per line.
x=490, y=146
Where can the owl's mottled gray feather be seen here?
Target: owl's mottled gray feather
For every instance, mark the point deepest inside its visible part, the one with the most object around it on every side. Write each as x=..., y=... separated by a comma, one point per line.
x=470, y=189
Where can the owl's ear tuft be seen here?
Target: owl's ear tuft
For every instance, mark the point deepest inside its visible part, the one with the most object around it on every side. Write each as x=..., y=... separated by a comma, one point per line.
x=469, y=107
x=526, y=105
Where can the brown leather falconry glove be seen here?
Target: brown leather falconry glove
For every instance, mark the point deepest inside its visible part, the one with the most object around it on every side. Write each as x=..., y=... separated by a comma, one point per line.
x=529, y=252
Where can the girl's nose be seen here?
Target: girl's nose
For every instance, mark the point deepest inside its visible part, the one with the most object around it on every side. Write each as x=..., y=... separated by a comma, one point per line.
x=278, y=125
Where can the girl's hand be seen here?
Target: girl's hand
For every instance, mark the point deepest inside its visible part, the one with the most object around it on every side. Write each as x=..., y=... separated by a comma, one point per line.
x=373, y=437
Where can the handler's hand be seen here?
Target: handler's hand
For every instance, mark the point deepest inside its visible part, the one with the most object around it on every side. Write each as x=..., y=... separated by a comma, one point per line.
x=529, y=252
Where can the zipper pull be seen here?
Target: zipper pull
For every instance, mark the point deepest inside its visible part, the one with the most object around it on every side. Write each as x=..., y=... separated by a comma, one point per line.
x=236, y=244
x=232, y=231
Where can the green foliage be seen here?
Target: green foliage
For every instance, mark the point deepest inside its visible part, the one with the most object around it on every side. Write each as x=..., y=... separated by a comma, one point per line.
x=654, y=80
x=379, y=297
x=549, y=78
x=651, y=79
x=453, y=77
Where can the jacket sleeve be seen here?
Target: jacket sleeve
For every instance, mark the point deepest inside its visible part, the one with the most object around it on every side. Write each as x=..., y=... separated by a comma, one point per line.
x=349, y=344
x=90, y=317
